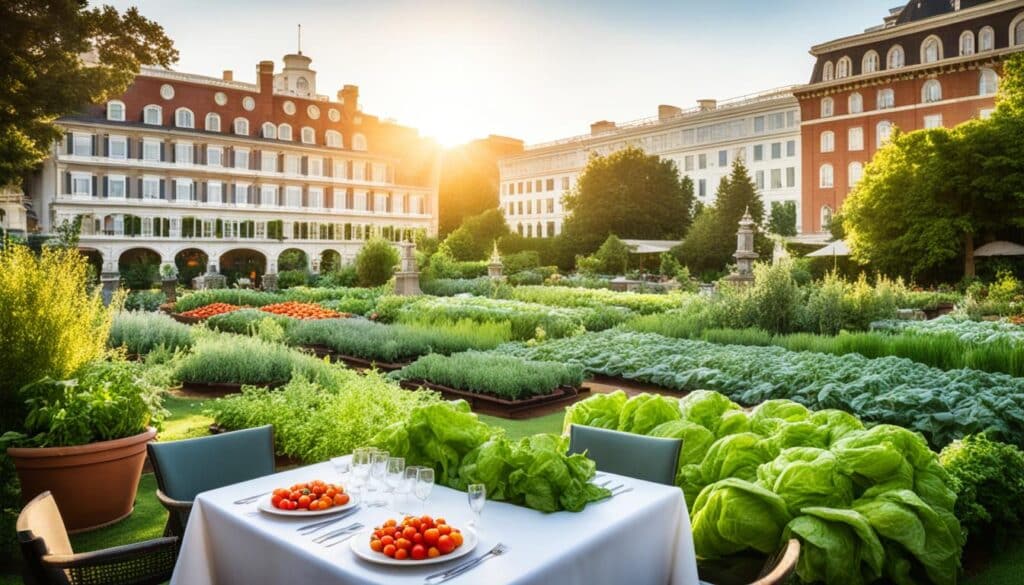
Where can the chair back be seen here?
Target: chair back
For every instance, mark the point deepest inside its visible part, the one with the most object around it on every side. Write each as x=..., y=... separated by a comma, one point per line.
x=648, y=458
x=41, y=532
x=780, y=568
x=188, y=467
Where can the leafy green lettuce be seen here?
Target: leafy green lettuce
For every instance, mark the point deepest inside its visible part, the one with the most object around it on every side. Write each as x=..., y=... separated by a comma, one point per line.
x=600, y=410
x=643, y=412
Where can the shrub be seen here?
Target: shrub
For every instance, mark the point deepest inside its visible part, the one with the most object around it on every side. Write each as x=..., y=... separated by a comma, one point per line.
x=988, y=478
x=289, y=278
x=234, y=359
x=141, y=333
x=773, y=301
x=526, y=278
x=520, y=261
x=449, y=287
x=140, y=274
x=144, y=300
x=562, y=297
x=670, y=265
x=345, y=276
x=244, y=321
x=376, y=262
x=505, y=376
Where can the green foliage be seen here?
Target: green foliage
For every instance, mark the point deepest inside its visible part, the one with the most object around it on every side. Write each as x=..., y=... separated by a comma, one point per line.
x=669, y=265
x=443, y=265
x=449, y=287
x=520, y=261
x=234, y=359
x=106, y=400
x=141, y=273
x=291, y=278
x=140, y=333
x=507, y=377
x=629, y=193
x=344, y=276
x=783, y=218
x=376, y=262
x=293, y=259
x=474, y=238
x=244, y=322
x=315, y=421
x=565, y=297
x=144, y=300
x=611, y=258
x=988, y=478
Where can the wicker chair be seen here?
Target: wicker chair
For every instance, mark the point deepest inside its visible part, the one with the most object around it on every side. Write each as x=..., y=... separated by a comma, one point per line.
x=751, y=569
x=781, y=566
x=49, y=559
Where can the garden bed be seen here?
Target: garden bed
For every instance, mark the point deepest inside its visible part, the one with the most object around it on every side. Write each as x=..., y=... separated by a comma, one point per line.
x=222, y=388
x=186, y=319
x=503, y=407
x=352, y=361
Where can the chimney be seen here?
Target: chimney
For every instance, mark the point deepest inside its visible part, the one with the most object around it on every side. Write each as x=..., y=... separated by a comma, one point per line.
x=707, y=105
x=666, y=112
x=601, y=127
x=349, y=97
x=229, y=75
x=265, y=77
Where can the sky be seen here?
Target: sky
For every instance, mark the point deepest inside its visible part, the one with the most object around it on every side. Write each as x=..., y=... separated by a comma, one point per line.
x=536, y=70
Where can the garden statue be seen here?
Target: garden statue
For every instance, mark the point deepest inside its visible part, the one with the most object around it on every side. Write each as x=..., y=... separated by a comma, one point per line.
x=494, y=267
x=407, y=279
x=214, y=279
x=169, y=281
x=745, y=254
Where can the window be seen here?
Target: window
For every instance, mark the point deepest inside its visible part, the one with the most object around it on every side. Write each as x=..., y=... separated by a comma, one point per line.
x=333, y=138
x=150, y=188
x=828, y=71
x=183, y=153
x=152, y=115
x=241, y=126
x=565, y=183
x=316, y=197
x=183, y=189
x=826, y=179
x=776, y=150
x=284, y=132
x=844, y=68
x=870, y=62
x=81, y=144
x=855, y=138
x=882, y=133
x=115, y=111
x=241, y=158
x=826, y=217
x=759, y=125
x=117, y=147
x=931, y=50
x=758, y=152
x=268, y=161
x=702, y=188
x=855, y=103
x=549, y=185
x=529, y=186
x=212, y=122
x=759, y=180
x=316, y=167
x=184, y=118
x=268, y=195
x=988, y=82
x=828, y=141
x=511, y=209
x=269, y=130
x=853, y=174
x=81, y=184
x=776, y=178
x=536, y=188
x=308, y=135
x=896, y=58
x=359, y=142
x=723, y=158
x=966, y=43
x=291, y=164
x=931, y=92
x=551, y=205
x=241, y=194
x=214, y=156
x=827, y=107
x=986, y=39
x=116, y=187
x=791, y=176
x=702, y=161
x=886, y=99
x=933, y=121
x=1017, y=30
x=151, y=150
x=214, y=192
x=293, y=197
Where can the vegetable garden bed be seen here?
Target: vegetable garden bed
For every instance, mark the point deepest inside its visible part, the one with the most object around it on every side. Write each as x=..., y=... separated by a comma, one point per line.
x=353, y=361
x=496, y=406
x=224, y=388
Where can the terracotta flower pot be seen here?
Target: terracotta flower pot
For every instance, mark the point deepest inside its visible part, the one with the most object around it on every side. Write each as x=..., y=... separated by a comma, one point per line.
x=94, y=484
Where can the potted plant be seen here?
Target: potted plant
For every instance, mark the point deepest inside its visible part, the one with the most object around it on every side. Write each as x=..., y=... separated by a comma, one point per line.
x=169, y=280
x=85, y=439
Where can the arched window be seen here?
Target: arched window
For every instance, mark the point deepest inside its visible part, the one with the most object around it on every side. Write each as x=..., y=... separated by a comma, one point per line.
x=988, y=82
x=844, y=68
x=827, y=107
x=931, y=92
x=931, y=50
x=828, y=141
x=886, y=99
x=115, y=111
x=966, y=43
x=854, y=173
x=826, y=217
x=896, y=58
x=986, y=39
x=184, y=118
x=153, y=115
x=826, y=176
x=333, y=138
x=284, y=132
x=212, y=122
x=870, y=62
x=308, y=135
x=269, y=130
x=529, y=230
x=828, y=71
x=882, y=133
x=241, y=126
x=1017, y=30
x=359, y=142
x=855, y=103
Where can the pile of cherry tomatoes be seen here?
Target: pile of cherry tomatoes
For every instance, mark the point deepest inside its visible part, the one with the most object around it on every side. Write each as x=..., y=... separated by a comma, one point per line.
x=313, y=496
x=211, y=310
x=415, y=538
x=301, y=311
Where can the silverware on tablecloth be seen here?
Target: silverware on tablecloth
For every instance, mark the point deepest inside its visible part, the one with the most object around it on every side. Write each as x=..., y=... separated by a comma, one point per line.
x=250, y=499
x=315, y=527
x=620, y=492
x=343, y=538
x=339, y=532
x=614, y=487
x=498, y=550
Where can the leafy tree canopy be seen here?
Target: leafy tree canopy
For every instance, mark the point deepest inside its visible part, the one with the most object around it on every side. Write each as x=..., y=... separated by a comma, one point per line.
x=474, y=239
x=783, y=219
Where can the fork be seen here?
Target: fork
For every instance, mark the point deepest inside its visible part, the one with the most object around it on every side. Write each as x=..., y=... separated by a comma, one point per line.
x=339, y=532
x=249, y=499
x=498, y=550
x=308, y=529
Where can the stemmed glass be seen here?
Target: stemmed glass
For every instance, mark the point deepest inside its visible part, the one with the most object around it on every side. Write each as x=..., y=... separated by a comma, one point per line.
x=477, y=495
x=360, y=467
x=343, y=468
x=424, y=484
x=395, y=477
x=408, y=483
x=378, y=471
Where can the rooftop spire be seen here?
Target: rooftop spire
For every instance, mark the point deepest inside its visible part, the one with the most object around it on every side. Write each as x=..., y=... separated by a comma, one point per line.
x=300, y=39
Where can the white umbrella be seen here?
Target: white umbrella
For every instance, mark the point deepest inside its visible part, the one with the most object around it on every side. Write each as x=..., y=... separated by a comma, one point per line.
x=836, y=248
x=999, y=249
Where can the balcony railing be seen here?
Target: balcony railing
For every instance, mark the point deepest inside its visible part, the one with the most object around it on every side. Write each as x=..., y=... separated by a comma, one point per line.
x=221, y=206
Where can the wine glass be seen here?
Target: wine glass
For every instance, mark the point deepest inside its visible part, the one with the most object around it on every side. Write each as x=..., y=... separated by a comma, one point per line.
x=407, y=485
x=477, y=495
x=378, y=471
x=360, y=467
x=424, y=483
x=395, y=476
x=343, y=468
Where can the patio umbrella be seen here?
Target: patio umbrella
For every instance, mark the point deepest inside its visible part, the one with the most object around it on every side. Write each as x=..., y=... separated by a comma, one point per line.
x=836, y=248
x=1000, y=248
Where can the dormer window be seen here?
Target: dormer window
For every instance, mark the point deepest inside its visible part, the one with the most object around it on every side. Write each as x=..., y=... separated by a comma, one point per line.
x=966, y=43
x=115, y=111
x=212, y=122
x=284, y=132
x=986, y=39
x=241, y=126
x=828, y=72
x=931, y=50
x=184, y=118
x=308, y=135
x=269, y=130
x=870, y=62
x=359, y=142
x=896, y=58
x=152, y=115
x=333, y=138
x=844, y=68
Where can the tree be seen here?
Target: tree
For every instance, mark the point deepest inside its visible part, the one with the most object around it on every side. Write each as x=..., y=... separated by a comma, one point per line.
x=375, y=263
x=469, y=179
x=783, y=219
x=475, y=237
x=46, y=53
x=630, y=194
x=613, y=256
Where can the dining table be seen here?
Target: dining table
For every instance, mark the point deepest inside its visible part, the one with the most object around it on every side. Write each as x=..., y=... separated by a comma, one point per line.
x=640, y=536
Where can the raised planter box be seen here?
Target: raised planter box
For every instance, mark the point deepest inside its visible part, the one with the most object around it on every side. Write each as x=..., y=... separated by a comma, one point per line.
x=222, y=388
x=354, y=362
x=503, y=407
x=185, y=319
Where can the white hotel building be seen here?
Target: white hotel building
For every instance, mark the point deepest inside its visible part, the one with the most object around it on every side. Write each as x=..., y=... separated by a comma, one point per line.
x=763, y=130
x=185, y=166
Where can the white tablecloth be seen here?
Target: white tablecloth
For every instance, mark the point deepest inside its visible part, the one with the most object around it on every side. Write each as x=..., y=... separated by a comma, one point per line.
x=637, y=538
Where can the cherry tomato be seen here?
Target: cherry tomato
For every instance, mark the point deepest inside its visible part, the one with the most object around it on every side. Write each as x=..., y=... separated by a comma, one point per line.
x=456, y=538
x=304, y=501
x=417, y=538
x=389, y=549
x=403, y=543
x=439, y=521
x=444, y=529
x=341, y=499
x=427, y=520
x=418, y=552
x=445, y=544
x=275, y=500
x=376, y=545
x=431, y=535
x=433, y=552
x=408, y=531
x=401, y=554
x=386, y=540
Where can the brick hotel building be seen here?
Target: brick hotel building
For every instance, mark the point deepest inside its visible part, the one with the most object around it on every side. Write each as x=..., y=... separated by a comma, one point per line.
x=184, y=166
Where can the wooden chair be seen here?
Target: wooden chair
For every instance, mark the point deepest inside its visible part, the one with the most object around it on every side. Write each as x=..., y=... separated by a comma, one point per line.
x=49, y=559
x=745, y=569
x=649, y=458
x=781, y=565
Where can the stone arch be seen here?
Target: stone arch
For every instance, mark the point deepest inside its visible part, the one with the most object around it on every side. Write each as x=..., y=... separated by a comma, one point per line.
x=293, y=259
x=95, y=259
x=139, y=267
x=243, y=262
x=191, y=262
x=330, y=260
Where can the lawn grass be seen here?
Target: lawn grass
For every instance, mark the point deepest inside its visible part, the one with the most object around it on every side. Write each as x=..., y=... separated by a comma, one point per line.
x=186, y=419
x=517, y=429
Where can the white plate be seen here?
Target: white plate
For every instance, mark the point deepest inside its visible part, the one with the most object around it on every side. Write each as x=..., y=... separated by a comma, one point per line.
x=265, y=506
x=361, y=546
